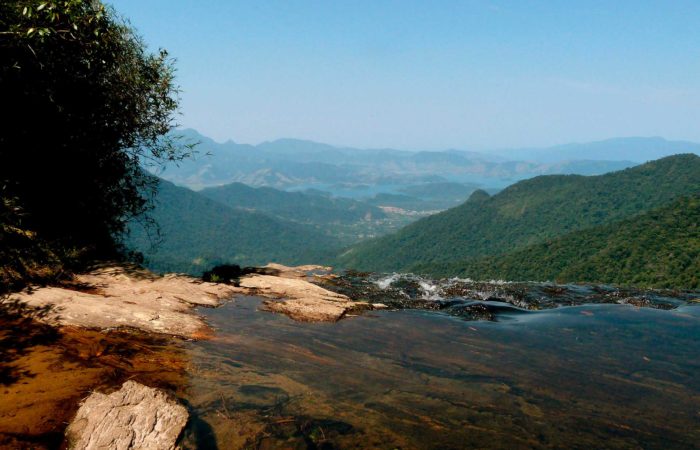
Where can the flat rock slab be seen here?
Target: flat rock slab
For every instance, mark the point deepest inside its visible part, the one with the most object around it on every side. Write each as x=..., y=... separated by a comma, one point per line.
x=300, y=299
x=134, y=417
x=118, y=296
x=306, y=271
x=114, y=297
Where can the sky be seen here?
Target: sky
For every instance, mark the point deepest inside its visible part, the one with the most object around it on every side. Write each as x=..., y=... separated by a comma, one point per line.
x=471, y=74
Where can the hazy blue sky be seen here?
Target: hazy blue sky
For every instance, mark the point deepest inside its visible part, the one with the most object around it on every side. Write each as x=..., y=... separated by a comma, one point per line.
x=431, y=74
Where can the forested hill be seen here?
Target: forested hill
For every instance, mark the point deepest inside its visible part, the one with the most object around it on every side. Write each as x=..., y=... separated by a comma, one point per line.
x=660, y=248
x=198, y=232
x=295, y=206
x=527, y=213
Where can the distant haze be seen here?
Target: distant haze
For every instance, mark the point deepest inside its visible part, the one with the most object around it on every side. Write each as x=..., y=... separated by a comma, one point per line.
x=294, y=164
x=472, y=74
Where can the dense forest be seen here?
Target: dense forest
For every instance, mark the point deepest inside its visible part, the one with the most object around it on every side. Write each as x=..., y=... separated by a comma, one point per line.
x=660, y=248
x=309, y=208
x=195, y=232
x=527, y=213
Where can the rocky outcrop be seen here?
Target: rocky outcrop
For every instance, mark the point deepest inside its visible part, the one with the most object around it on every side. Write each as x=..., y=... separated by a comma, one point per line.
x=305, y=271
x=300, y=299
x=134, y=417
x=113, y=297
x=127, y=297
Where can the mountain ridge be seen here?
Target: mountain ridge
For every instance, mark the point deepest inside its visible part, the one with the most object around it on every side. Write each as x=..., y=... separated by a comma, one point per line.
x=659, y=248
x=526, y=213
x=198, y=232
x=633, y=148
x=299, y=163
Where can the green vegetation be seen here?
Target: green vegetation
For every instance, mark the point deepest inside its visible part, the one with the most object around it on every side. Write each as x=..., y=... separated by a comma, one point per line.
x=197, y=232
x=22, y=255
x=457, y=191
x=295, y=206
x=660, y=248
x=425, y=197
x=85, y=103
x=528, y=213
x=346, y=219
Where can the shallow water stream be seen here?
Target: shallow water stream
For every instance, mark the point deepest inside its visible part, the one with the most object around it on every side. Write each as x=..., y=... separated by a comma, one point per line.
x=450, y=364
x=591, y=376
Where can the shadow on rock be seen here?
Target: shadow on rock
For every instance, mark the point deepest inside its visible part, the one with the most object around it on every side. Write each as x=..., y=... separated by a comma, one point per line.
x=19, y=331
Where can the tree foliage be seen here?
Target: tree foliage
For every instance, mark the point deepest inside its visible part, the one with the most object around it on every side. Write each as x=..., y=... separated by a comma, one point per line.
x=85, y=104
x=527, y=213
x=660, y=248
x=198, y=233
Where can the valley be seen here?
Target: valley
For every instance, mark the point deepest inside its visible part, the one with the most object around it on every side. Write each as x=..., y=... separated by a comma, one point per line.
x=349, y=225
x=543, y=208
x=390, y=210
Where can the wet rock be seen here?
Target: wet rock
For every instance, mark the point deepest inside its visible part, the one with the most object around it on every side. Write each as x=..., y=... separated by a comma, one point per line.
x=482, y=300
x=225, y=273
x=135, y=416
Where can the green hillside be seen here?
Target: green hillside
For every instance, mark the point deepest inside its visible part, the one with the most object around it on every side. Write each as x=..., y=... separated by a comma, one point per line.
x=295, y=206
x=527, y=213
x=198, y=232
x=660, y=248
x=346, y=220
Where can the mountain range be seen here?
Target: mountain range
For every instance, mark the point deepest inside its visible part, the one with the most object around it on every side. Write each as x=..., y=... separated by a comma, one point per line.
x=637, y=149
x=565, y=227
x=527, y=213
x=343, y=171
x=195, y=232
x=301, y=207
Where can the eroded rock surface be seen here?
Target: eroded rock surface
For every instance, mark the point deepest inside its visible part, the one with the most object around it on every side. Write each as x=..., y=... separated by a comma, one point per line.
x=118, y=296
x=113, y=297
x=300, y=299
x=305, y=271
x=134, y=417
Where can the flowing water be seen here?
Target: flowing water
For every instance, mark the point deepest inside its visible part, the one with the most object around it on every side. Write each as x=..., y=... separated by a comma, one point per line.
x=453, y=364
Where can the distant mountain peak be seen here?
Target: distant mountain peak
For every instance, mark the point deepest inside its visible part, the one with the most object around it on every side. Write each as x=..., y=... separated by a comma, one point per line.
x=479, y=195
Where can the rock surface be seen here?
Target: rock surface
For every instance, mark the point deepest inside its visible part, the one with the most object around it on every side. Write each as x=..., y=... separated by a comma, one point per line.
x=300, y=299
x=306, y=271
x=114, y=297
x=134, y=417
x=127, y=297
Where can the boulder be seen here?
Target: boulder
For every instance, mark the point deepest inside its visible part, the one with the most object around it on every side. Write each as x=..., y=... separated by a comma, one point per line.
x=300, y=299
x=134, y=417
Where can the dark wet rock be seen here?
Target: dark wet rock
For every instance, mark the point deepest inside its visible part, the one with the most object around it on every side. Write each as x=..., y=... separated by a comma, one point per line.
x=231, y=273
x=225, y=273
x=136, y=416
x=303, y=433
x=478, y=300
